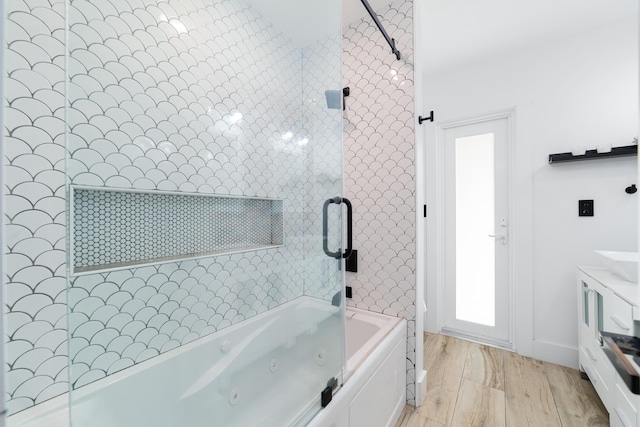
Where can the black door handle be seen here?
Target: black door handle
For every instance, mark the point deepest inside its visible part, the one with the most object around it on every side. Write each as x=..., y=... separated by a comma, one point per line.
x=325, y=221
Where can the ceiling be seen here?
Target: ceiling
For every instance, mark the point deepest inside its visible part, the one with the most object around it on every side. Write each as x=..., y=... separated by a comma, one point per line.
x=304, y=21
x=464, y=31
x=354, y=10
x=454, y=31
x=308, y=20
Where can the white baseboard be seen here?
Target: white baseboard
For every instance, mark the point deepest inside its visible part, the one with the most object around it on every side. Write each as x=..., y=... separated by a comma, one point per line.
x=556, y=353
x=421, y=387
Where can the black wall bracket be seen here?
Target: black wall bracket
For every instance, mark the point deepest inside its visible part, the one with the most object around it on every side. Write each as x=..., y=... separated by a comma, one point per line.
x=627, y=150
x=346, y=91
x=422, y=119
x=351, y=263
x=392, y=42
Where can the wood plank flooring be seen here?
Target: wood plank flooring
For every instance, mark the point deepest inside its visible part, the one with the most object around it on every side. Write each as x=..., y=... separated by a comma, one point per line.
x=471, y=385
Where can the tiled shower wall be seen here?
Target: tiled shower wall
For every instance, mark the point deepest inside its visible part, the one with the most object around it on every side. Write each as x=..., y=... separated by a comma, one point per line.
x=35, y=300
x=324, y=164
x=380, y=167
x=160, y=100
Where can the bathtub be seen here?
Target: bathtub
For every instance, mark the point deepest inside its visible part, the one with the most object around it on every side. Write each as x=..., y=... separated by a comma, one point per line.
x=230, y=372
x=374, y=390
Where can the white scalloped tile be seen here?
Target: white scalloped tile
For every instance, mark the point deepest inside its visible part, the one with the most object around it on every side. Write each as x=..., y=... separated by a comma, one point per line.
x=133, y=350
x=158, y=342
x=52, y=367
x=32, y=386
x=104, y=361
x=119, y=299
x=15, y=349
x=15, y=291
x=33, y=357
x=119, y=344
x=31, y=304
x=88, y=354
x=104, y=314
x=119, y=365
x=87, y=330
x=59, y=387
x=118, y=321
x=104, y=337
x=380, y=165
x=32, y=331
x=88, y=305
x=133, y=328
x=191, y=150
x=88, y=378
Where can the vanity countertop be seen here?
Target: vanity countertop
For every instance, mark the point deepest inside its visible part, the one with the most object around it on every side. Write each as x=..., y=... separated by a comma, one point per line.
x=628, y=291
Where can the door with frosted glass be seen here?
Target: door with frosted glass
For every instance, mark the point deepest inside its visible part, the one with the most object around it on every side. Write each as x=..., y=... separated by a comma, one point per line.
x=477, y=231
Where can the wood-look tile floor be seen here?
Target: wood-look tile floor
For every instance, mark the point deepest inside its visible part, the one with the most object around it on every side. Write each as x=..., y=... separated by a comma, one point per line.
x=471, y=385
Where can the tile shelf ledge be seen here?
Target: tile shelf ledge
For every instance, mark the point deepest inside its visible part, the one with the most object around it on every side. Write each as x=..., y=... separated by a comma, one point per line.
x=107, y=268
x=627, y=150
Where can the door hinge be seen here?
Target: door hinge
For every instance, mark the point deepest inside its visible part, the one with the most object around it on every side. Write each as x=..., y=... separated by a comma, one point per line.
x=326, y=395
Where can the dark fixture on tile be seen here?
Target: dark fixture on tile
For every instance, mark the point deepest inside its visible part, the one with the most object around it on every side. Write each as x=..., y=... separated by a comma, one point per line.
x=392, y=42
x=351, y=263
x=631, y=189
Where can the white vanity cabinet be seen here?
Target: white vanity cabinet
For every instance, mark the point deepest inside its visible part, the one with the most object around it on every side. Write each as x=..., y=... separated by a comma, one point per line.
x=591, y=358
x=606, y=303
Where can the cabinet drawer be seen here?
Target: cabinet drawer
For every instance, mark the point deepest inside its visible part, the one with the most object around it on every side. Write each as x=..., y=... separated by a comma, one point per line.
x=618, y=315
x=625, y=404
x=601, y=385
x=603, y=367
x=614, y=420
x=598, y=360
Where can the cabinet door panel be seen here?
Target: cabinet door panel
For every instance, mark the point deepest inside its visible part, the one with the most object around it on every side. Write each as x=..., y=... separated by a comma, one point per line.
x=625, y=404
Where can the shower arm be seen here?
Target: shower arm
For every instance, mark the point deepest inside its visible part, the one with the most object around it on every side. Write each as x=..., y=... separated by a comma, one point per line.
x=392, y=42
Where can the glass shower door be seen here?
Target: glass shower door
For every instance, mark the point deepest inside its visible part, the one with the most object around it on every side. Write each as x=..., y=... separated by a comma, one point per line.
x=201, y=147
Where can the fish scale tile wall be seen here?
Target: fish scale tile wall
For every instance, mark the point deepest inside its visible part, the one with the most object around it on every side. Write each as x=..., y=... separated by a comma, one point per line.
x=324, y=164
x=149, y=110
x=380, y=167
x=35, y=300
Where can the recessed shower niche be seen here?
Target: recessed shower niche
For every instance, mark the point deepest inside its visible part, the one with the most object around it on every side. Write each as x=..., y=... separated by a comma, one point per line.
x=113, y=228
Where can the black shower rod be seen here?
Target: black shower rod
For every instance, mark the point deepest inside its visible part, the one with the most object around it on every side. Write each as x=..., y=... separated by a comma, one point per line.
x=392, y=42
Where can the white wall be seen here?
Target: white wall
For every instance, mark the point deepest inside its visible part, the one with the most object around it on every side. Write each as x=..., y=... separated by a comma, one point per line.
x=577, y=91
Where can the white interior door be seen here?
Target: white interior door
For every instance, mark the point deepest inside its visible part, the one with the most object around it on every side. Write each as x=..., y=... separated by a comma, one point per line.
x=476, y=183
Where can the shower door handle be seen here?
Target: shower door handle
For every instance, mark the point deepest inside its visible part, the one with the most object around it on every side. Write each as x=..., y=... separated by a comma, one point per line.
x=325, y=226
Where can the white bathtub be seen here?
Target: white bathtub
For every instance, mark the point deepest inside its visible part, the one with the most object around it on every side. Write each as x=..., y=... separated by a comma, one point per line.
x=374, y=391
x=227, y=371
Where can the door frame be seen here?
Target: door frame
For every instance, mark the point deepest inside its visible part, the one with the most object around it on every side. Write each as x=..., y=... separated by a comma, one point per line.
x=439, y=193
